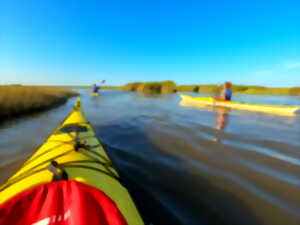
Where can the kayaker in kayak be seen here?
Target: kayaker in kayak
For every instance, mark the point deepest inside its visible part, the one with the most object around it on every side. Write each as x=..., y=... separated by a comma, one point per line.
x=222, y=119
x=95, y=88
x=226, y=92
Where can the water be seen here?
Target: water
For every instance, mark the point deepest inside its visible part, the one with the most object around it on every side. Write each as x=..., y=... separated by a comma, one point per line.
x=179, y=168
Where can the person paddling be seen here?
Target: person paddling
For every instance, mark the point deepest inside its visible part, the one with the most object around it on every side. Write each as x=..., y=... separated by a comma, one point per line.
x=222, y=119
x=95, y=88
x=226, y=92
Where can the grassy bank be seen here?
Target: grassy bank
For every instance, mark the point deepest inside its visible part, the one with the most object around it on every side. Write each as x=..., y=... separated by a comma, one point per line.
x=110, y=88
x=151, y=87
x=18, y=100
x=213, y=89
x=240, y=89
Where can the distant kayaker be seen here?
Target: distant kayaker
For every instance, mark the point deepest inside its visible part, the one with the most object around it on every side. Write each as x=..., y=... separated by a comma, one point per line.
x=226, y=92
x=95, y=88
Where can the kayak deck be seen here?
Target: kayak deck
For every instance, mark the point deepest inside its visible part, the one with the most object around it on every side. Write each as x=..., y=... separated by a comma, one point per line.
x=78, y=153
x=273, y=109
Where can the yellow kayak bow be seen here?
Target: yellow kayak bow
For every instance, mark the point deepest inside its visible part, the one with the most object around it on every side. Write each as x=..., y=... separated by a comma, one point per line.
x=76, y=153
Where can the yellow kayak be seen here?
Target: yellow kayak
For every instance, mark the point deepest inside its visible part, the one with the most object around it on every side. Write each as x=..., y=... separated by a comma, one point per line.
x=80, y=155
x=95, y=94
x=187, y=100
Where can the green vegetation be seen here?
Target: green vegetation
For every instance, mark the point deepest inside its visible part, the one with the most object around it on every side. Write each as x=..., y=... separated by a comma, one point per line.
x=110, y=88
x=151, y=87
x=271, y=91
x=18, y=100
x=188, y=88
x=240, y=89
x=131, y=86
x=294, y=91
x=209, y=88
x=213, y=89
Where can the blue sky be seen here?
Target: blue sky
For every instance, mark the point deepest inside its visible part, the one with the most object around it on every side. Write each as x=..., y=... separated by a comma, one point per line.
x=81, y=42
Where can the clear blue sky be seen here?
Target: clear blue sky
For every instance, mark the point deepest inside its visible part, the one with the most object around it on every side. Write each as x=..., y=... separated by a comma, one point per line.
x=81, y=42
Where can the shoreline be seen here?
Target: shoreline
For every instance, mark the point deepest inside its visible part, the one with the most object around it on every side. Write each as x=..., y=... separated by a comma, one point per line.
x=165, y=87
x=17, y=100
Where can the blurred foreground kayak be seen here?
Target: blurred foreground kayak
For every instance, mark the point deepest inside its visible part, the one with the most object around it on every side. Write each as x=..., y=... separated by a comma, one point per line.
x=68, y=180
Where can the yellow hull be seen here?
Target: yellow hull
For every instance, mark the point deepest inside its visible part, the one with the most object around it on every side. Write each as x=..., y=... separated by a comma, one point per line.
x=95, y=94
x=74, y=146
x=209, y=101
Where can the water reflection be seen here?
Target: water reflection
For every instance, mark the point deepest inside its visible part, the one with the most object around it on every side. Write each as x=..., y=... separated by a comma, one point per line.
x=222, y=120
x=222, y=114
x=222, y=117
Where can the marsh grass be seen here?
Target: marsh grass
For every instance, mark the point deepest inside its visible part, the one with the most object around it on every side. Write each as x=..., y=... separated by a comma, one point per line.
x=294, y=91
x=18, y=100
x=131, y=86
x=271, y=91
x=187, y=88
x=151, y=87
x=213, y=89
x=240, y=89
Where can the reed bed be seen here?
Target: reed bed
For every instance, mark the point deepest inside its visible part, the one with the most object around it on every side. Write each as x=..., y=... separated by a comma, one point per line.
x=213, y=89
x=151, y=87
x=18, y=100
x=240, y=89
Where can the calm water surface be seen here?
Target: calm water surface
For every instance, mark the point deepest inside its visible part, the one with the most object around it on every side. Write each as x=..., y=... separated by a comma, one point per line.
x=179, y=168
